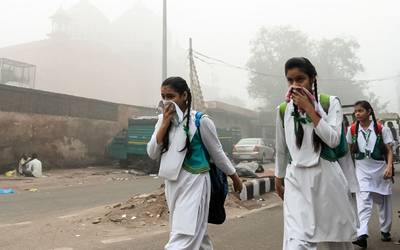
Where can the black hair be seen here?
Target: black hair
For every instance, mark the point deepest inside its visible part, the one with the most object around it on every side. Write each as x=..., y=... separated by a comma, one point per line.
x=367, y=106
x=346, y=122
x=390, y=124
x=179, y=85
x=304, y=65
x=34, y=156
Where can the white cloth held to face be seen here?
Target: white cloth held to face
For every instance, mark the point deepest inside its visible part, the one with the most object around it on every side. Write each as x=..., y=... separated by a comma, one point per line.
x=178, y=117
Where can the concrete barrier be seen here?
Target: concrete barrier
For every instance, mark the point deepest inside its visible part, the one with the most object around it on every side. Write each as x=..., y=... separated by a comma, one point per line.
x=257, y=187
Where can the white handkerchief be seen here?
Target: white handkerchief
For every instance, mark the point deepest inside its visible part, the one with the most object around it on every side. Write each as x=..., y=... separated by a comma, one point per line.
x=178, y=117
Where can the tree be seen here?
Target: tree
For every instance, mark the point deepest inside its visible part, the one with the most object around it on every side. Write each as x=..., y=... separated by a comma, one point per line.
x=335, y=59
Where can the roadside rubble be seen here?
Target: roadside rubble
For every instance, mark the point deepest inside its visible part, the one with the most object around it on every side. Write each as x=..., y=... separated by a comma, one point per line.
x=249, y=169
x=151, y=210
x=138, y=211
x=253, y=170
x=135, y=172
x=11, y=173
x=59, y=178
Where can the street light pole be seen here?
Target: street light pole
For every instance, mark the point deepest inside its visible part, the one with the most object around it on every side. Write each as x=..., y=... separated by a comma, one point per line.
x=164, y=41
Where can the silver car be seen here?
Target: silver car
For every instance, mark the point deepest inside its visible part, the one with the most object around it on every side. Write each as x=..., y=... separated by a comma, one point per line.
x=252, y=149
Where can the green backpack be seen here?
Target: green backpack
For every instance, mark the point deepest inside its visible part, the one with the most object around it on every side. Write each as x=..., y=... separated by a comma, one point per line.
x=327, y=153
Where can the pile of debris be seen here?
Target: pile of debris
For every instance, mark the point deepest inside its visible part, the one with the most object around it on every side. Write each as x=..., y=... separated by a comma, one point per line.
x=138, y=211
x=152, y=210
x=233, y=201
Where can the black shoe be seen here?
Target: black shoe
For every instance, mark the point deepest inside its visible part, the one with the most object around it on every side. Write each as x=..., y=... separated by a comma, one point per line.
x=386, y=237
x=361, y=241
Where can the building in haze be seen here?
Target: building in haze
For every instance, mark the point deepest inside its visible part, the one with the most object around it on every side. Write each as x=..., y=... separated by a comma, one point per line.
x=87, y=55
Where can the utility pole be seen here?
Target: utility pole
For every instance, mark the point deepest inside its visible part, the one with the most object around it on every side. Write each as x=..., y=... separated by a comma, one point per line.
x=164, y=42
x=191, y=67
x=398, y=93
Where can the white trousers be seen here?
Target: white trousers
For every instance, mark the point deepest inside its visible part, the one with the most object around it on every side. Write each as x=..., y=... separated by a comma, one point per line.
x=188, y=242
x=365, y=202
x=353, y=200
x=180, y=239
x=294, y=244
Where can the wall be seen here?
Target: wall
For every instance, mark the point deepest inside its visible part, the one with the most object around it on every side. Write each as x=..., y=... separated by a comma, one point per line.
x=70, y=131
x=227, y=116
x=66, y=131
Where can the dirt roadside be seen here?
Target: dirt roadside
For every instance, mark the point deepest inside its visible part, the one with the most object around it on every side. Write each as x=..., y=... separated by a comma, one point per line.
x=137, y=216
x=59, y=178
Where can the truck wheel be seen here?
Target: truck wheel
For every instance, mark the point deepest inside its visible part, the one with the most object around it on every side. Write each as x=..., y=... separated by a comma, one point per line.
x=123, y=163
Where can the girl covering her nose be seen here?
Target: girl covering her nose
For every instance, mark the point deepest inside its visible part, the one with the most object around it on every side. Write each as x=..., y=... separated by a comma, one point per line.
x=317, y=207
x=184, y=165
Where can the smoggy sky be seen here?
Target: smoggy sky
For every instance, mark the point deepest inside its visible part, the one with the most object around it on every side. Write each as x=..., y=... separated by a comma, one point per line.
x=224, y=28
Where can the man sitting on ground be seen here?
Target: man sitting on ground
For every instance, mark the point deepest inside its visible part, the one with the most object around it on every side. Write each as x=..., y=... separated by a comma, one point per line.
x=21, y=164
x=33, y=167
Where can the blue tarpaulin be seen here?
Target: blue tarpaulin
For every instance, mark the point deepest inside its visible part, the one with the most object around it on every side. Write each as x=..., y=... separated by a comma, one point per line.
x=6, y=191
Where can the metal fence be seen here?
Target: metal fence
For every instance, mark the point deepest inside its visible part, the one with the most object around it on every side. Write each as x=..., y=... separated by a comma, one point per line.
x=15, y=73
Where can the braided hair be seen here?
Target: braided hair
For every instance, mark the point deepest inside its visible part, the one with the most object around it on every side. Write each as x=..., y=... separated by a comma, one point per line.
x=179, y=85
x=367, y=106
x=308, y=68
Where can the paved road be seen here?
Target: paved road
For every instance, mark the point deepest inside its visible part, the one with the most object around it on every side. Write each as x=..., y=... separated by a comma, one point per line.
x=60, y=201
x=64, y=200
x=261, y=230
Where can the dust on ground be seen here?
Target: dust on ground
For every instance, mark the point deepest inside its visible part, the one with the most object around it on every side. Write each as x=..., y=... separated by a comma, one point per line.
x=151, y=210
x=58, y=178
x=139, y=216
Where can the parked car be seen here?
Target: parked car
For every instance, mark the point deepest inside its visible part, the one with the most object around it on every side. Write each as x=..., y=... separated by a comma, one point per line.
x=252, y=149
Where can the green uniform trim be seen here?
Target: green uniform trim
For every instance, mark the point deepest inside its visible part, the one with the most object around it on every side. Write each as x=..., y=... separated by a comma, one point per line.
x=198, y=161
x=327, y=153
x=377, y=154
x=197, y=169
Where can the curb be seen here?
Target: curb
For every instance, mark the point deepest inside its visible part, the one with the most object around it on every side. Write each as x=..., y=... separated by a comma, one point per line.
x=256, y=188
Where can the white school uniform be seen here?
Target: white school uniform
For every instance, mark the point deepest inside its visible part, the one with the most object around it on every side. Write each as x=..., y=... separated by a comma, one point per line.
x=317, y=206
x=34, y=168
x=188, y=194
x=347, y=164
x=374, y=189
x=349, y=170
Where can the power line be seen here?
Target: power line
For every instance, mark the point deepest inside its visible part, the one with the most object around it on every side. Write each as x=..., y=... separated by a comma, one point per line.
x=200, y=56
x=365, y=80
x=234, y=66
x=202, y=60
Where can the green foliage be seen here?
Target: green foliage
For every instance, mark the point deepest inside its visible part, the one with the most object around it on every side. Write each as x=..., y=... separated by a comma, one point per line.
x=335, y=59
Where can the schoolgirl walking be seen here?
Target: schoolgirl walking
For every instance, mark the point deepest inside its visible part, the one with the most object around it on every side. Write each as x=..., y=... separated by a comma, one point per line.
x=317, y=209
x=184, y=152
x=370, y=144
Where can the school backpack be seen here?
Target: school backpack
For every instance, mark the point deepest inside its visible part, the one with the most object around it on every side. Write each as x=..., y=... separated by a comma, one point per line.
x=219, y=185
x=327, y=153
x=377, y=153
